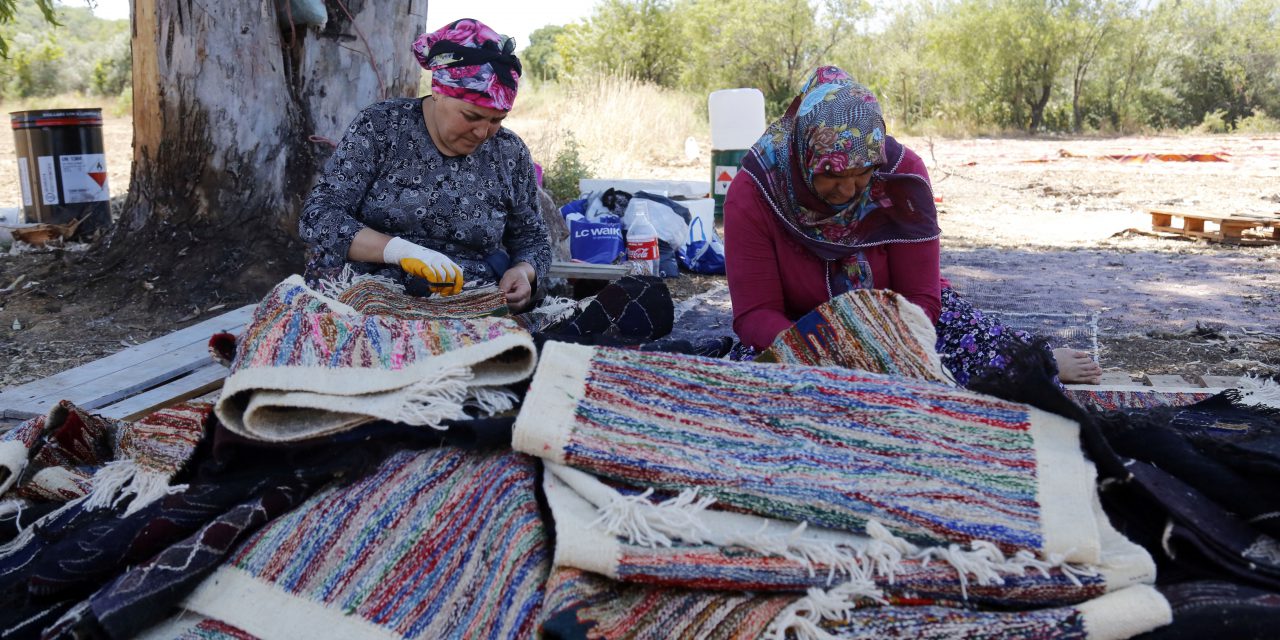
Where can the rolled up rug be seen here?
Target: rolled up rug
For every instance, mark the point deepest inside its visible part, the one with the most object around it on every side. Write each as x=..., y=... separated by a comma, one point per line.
x=308, y=365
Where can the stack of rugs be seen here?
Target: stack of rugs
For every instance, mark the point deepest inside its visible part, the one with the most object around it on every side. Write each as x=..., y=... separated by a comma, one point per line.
x=845, y=489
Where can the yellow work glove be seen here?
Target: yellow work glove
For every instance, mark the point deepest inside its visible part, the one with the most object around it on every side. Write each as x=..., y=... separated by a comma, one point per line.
x=443, y=275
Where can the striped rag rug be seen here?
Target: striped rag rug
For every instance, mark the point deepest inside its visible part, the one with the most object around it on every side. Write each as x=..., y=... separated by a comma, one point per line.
x=309, y=365
x=866, y=329
x=863, y=488
x=71, y=454
x=434, y=544
x=1104, y=399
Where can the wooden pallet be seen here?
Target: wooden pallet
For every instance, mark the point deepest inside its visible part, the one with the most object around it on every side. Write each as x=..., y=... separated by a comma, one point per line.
x=1227, y=229
x=133, y=382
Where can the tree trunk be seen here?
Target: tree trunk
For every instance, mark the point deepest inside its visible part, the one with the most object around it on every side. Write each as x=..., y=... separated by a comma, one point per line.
x=225, y=97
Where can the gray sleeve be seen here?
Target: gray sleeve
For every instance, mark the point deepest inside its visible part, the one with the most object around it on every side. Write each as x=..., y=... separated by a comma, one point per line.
x=526, y=233
x=331, y=214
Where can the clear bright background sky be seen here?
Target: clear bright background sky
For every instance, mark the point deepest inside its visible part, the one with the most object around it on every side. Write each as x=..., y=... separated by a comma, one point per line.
x=516, y=18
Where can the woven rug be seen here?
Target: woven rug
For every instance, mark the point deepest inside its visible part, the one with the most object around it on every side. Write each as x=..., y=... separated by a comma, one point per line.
x=931, y=462
x=870, y=330
x=682, y=477
x=1113, y=399
x=71, y=454
x=308, y=365
x=372, y=295
x=434, y=544
x=190, y=626
x=583, y=605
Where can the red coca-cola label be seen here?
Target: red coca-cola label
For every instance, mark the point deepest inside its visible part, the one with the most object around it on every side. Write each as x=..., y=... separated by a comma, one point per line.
x=643, y=250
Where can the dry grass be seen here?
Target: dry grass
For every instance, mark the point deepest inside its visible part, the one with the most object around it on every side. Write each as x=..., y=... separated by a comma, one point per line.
x=624, y=128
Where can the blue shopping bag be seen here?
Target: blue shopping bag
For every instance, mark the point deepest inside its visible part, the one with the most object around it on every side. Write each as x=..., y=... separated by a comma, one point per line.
x=596, y=242
x=702, y=253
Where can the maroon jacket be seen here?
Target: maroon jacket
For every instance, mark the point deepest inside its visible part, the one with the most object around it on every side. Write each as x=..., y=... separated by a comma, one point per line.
x=773, y=280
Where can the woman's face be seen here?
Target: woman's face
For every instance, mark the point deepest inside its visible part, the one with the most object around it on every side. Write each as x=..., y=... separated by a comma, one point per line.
x=460, y=127
x=841, y=187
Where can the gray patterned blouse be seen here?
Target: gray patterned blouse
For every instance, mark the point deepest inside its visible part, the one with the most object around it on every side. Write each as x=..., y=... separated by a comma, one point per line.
x=387, y=175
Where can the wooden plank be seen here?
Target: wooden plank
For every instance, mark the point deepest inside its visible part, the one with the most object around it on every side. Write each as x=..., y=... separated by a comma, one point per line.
x=1220, y=382
x=587, y=271
x=194, y=384
x=1166, y=381
x=1116, y=377
x=1161, y=219
x=124, y=373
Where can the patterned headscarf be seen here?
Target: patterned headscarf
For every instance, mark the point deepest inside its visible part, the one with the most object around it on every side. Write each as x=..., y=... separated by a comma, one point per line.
x=471, y=62
x=834, y=125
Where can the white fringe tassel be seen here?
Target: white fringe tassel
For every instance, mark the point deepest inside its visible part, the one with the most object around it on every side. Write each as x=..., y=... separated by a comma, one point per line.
x=490, y=400
x=804, y=616
x=647, y=524
x=651, y=525
x=349, y=278
x=1260, y=391
x=551, y=311
x=435, y=398
x=120, y=480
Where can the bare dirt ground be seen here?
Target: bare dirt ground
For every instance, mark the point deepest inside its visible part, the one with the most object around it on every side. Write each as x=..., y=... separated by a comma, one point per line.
x=1023, y=228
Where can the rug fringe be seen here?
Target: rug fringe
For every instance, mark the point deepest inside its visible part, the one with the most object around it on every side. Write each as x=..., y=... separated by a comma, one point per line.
x=435, y=398
x=802, y=618
x=651, y=525
x=1259, y=391
x=120, y=480
x=922, y=329
x=647, y=524
x=490, y=400
x=349, y=278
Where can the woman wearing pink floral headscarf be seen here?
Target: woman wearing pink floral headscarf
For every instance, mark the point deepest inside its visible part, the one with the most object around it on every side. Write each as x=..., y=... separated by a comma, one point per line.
x=433, y=191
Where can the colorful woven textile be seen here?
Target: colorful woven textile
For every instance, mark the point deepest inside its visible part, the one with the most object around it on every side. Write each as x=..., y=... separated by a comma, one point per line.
x=794, y=470
x=435, y=544
x=195, y=627
x=70, y=453
x=309, y=365
x=371, y=295
x=1113, y=399
x=681, y=543
x=931, y=462
x=582, y=605
x=870, y=330
x=100, y=573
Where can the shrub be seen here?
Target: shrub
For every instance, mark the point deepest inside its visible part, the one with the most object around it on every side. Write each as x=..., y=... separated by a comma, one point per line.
x=1259, y=122
x=561, y=178
x=1214, y=122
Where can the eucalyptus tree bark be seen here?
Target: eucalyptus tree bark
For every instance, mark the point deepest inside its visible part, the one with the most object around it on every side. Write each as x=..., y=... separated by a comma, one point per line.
x=226, y=98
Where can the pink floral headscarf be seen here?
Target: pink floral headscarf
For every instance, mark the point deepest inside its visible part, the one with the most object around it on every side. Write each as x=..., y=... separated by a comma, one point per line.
x=471, y=62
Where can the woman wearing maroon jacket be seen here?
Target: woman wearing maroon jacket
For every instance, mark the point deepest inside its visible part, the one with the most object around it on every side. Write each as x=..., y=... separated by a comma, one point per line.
x=827, y=202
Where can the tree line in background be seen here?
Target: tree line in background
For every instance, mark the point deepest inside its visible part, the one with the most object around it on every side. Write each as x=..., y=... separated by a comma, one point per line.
x=83, y=54
x=953, y=65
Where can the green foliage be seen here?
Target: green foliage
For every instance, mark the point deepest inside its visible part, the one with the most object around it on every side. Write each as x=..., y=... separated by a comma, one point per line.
x=11, y=13
x=114, y=71
x=1258, y=122
x=633, y=38
x=541, y=58
x=1214, y=122
x=561, y=178
x=77, y=53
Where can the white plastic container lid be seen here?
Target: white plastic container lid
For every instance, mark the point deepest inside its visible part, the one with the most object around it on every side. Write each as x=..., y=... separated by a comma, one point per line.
x=737, y=118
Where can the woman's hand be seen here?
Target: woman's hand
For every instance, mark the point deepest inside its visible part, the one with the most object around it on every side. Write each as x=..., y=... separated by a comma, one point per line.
x=517, y=285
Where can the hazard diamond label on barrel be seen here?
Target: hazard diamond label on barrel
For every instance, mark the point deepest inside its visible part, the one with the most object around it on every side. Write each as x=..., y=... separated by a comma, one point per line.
x=724, y=175
x=84, y=178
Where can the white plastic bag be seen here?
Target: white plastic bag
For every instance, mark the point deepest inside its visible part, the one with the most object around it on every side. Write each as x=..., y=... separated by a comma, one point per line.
x=671, y=226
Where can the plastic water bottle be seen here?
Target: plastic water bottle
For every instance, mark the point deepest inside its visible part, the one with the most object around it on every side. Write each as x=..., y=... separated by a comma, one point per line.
x=642, y=241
